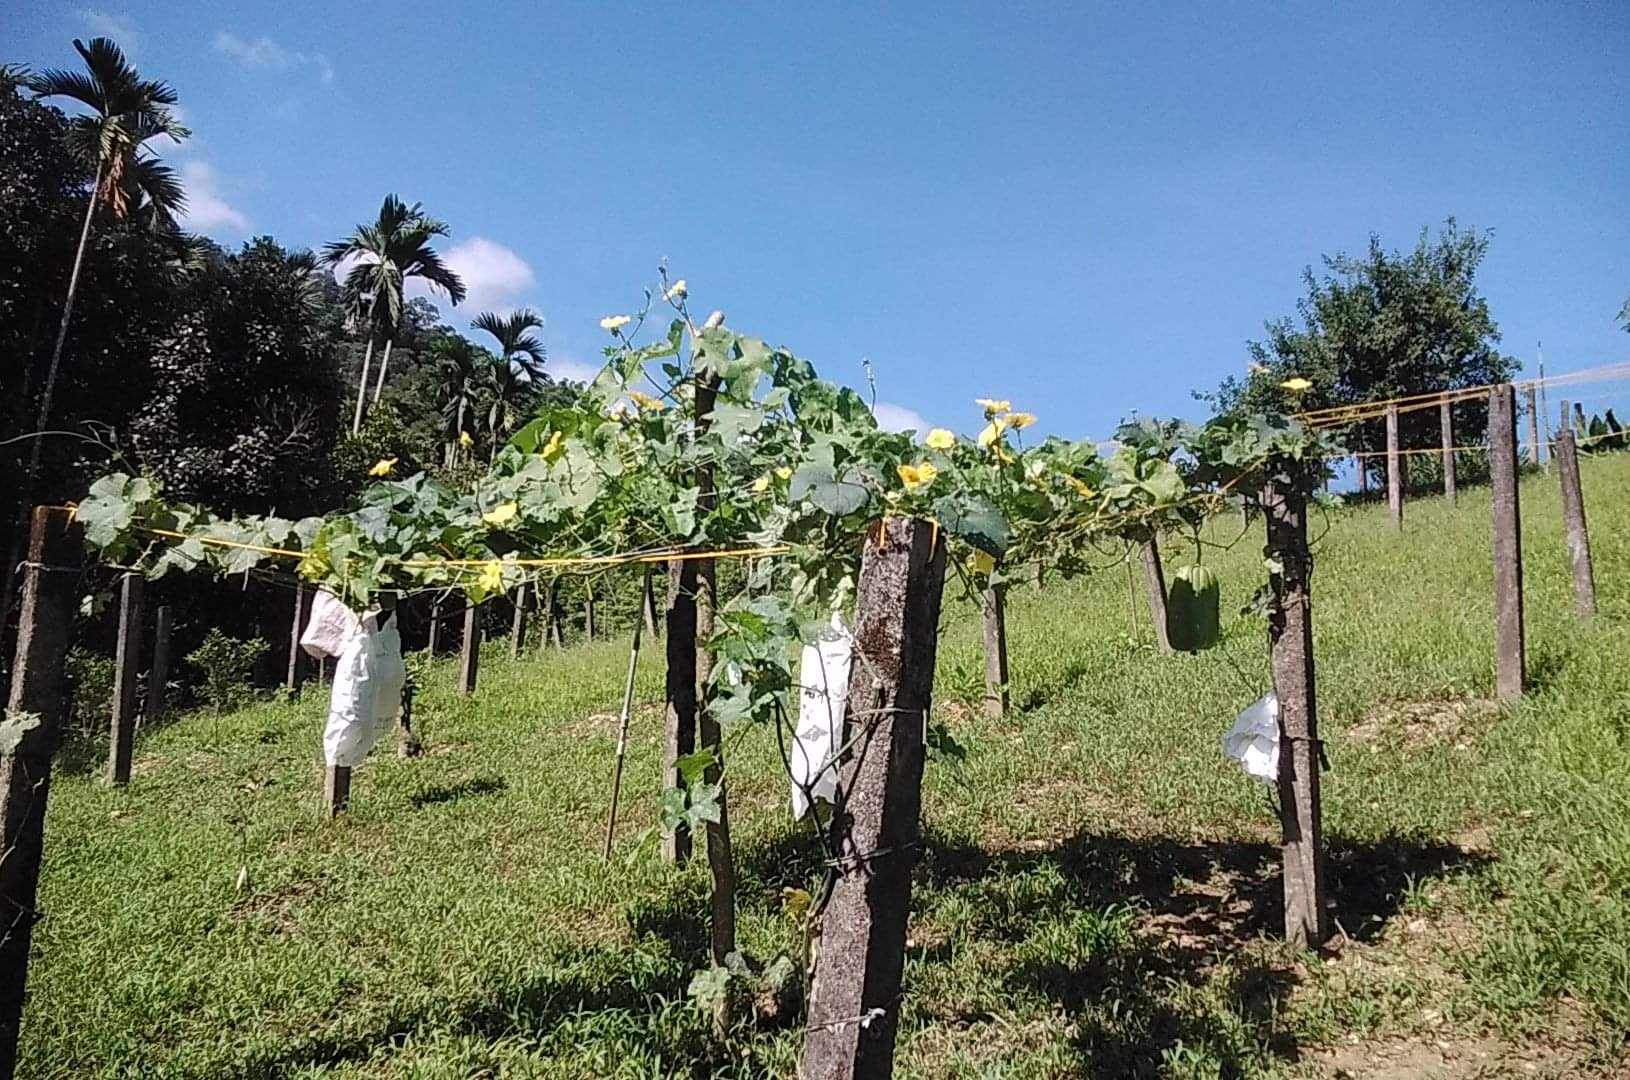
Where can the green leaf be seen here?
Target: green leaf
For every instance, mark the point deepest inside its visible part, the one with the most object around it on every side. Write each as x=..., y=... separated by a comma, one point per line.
x=692, y=767
x=975, y=518
x=826, y=490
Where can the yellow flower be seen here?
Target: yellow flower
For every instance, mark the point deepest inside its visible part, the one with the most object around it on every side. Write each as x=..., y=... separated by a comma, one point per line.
x=552, y=447
x=383, y=467
x=940, y=439
x=784, y=471
x=1080, y=487
x=644, y=401
x=762, y=483
x=917, y=476
x=1296, y=385
x=992, y=432
x=502, y=514
x=1000, y=450
x=614, y=323
x=492, y=576
x=464, y=440
x=1020, y=420
x=993, y=406
x=677, y=291
x=983, y=563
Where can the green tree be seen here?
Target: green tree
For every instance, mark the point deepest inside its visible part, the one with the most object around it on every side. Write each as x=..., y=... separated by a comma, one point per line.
x=394, y=248
x=126, y=111
x=1383, y=325
x=516, y=342
x=462, y=368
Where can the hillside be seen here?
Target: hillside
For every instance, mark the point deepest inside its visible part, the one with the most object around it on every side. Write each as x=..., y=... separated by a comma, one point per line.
x=1097, y=889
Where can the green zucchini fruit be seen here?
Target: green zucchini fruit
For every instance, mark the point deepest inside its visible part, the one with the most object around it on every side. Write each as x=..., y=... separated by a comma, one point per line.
x=1192, y=620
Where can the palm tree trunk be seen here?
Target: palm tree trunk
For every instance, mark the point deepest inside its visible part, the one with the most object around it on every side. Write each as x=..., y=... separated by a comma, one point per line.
x=62, y=337
x=362, y=387
x=384, y=362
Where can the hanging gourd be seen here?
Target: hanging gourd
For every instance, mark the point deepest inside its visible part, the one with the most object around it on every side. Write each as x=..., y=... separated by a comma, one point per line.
x=1192, y=620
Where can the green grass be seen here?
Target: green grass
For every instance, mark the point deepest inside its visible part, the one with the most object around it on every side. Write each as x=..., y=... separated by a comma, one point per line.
x=1097, y=891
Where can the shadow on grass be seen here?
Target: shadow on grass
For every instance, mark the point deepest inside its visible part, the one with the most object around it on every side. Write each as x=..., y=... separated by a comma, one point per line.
x=446, y=793
x=1117, y=932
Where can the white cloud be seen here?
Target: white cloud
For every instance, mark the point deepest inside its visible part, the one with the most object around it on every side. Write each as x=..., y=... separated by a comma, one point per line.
x=494, y=276
x=121, y=28
x=891, y=417
x=207, y=209
x=570, y=369
x=263, y=52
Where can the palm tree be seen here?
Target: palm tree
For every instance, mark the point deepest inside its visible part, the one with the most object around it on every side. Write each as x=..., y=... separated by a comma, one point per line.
x=125, y=112
x=463, y=366
x=516, y=342
x=514, y=396
x=388, y=252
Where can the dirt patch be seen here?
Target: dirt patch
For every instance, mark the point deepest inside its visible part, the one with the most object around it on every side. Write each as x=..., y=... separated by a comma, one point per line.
x=645, y=714
x=1412, y=725
x=1451, y=1057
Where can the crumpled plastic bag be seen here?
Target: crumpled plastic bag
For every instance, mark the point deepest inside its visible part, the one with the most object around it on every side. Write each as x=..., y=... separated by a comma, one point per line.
x=1253, y=741
x=368, y=676
x=823, y=680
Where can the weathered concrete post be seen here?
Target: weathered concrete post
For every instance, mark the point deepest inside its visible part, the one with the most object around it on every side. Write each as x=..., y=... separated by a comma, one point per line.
x=854, y=1005
x=126, y=663
x=1395, y=471
x=1531, y=405
x=1509, y=647
x=993, y=605
x=1290, y=639
x=1573, y=521
x=1363, y=476
x=1154, y=580
x=1446, y=422
x=679, y=722
x=588, y=614
x=32, y=727
x=158, y=679
x=648, y=604
x=469, y=657
x=435, y=630
x=296, y=673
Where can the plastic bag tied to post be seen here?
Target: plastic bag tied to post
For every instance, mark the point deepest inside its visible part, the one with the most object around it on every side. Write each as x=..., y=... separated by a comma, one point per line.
x=1253, y=741
x=823, y=681
x=368, y=676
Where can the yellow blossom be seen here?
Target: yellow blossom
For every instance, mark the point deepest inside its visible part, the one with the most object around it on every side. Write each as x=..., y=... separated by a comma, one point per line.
x=762, y=483
x=1296, y=385
x=1000, y=451
x=993, y=406
x=492, y=576
x=1080, y=487
x=644, y=401
x=992, y=432
x=464, y=440
x=917, y=476
x=784, y=471
x=383, y=467
x=1020, y=420
x=552, y=447
x=983, y=562
x=940, y=439
x=614, y=323
x=501, y=514
x=677, y=291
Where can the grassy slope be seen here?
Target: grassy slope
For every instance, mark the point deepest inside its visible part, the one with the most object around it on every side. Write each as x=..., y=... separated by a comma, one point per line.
x=1097, y=885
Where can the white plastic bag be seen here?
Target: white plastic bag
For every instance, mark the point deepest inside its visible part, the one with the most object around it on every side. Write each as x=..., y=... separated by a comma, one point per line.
x=823, y=679
x=1253, y=741
x=368, y=677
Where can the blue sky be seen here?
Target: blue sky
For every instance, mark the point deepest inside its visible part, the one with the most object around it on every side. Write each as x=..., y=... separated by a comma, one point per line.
x=1085, y=208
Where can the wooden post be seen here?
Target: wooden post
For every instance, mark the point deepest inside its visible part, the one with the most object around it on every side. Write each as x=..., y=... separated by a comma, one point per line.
x=1363, y=476
x=1154, y=580
x=517, y=624
x=1535, y=447
x=1509, y=649
x=556, y=637
x=126, y=663
x=588, y=613
x=679, y=722
x=32, y=726
x=993, y=604
x=1573, y=520
x=297, y=668
x=1567, y=424
x=1290, y=642
x=1395, y=470
x=469, y=657
x=158, y=679
x=435, y=630
x=1580, y=424
x=1446, y=421
x=854, y=1005
x=648, y=604
x=336, y=788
